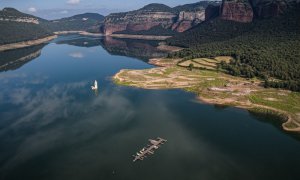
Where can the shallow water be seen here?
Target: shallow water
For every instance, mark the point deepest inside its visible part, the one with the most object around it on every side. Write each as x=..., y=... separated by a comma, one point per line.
x=53, y=126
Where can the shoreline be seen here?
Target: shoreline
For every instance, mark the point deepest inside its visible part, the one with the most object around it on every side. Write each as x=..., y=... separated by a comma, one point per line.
x=85, y=33
x=29, y=43
x=140, y=37
x=24, y=44
x=215, y=88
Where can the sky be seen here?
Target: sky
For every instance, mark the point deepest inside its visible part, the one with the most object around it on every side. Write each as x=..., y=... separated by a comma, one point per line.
x=52, y=9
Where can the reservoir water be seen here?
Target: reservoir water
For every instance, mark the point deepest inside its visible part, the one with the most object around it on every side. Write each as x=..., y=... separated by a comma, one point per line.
x=54, y=127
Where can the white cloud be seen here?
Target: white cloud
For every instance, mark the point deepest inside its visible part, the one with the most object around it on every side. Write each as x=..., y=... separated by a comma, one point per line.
x=73, y=2
x=32, y=9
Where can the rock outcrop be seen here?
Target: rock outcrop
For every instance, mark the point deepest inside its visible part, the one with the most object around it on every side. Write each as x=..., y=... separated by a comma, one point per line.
x=187, y=20
x=237, y=10
x=180, y=18
x=139, y=20
x=272, y=8
x=212, y=11
x=245, y=10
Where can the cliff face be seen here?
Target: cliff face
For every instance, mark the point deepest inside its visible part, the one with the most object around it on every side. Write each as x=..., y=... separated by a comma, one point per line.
x=136, y=21
x=237, y=10
x=179, y=18
x=245, y=10
x=187, y=20
x=212, y=11
x=271, y=8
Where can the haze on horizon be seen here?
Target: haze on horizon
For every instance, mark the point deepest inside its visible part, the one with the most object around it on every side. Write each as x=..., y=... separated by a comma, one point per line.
x=63, y=8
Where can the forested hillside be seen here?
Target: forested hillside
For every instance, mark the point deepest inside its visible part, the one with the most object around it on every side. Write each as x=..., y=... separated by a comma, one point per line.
x=16, y=26
x=267, y=48
x=81, y=22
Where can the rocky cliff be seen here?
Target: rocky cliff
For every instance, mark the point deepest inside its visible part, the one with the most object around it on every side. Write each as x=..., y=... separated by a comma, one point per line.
x=180, y=18
x=246, y=10
x=186, y=20
x=237, y=10
x=271, y=8
x=137, y=21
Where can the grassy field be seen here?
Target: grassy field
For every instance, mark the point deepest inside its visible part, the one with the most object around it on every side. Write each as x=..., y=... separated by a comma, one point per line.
x=204, y=63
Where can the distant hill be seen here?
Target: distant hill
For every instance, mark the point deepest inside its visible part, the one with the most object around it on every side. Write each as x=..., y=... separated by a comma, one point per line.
x=195, y=6
x=81, y=22
x=155, y=7
x=16, y=26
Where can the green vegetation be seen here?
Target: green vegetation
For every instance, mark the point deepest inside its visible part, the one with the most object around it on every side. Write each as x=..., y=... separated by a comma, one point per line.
x=195, y=6
x=156, y=7
x=82, y=22
x=289, y=102
x=268, y=49
x=213, y=86
x=16, y=26
x=12, y=31
x=205, y=63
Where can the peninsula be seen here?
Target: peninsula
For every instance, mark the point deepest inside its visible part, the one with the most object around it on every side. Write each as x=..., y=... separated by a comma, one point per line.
x=204, y=77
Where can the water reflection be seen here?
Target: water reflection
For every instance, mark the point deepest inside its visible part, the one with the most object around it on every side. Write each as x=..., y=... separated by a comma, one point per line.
x=52, y=126
x=14, y=59
x=77, y=55
x=80, y=41
x=98, y=135
x=132, y=48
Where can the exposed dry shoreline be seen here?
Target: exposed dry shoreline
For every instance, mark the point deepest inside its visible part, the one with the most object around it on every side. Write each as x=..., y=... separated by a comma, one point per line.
x=79, y=32
x=84, y=33
x=168, y=48
x=26, y=43
x=214, y=87
x=141, y=37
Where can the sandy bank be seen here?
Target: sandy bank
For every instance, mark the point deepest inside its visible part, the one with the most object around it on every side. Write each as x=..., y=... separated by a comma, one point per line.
x=141, y=37
x=26, y=43
x=79, y=32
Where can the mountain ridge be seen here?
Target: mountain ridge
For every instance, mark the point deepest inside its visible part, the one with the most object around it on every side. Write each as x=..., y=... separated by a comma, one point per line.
x=179, y=18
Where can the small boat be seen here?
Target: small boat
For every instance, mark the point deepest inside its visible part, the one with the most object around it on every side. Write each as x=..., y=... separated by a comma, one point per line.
x=95, y=87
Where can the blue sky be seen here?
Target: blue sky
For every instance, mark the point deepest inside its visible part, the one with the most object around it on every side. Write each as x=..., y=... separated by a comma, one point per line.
x=51, y=9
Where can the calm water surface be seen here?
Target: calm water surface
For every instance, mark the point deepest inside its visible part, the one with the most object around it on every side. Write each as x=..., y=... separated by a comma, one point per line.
x=53, y=126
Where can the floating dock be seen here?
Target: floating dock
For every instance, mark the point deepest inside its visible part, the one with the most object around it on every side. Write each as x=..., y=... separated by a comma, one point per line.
x=149, y=149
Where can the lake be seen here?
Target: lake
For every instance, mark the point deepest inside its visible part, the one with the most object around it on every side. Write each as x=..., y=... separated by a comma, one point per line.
x=53, y=126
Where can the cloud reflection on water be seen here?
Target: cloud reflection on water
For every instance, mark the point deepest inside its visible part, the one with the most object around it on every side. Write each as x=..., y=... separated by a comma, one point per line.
x=78, y=55
x=99, y=134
